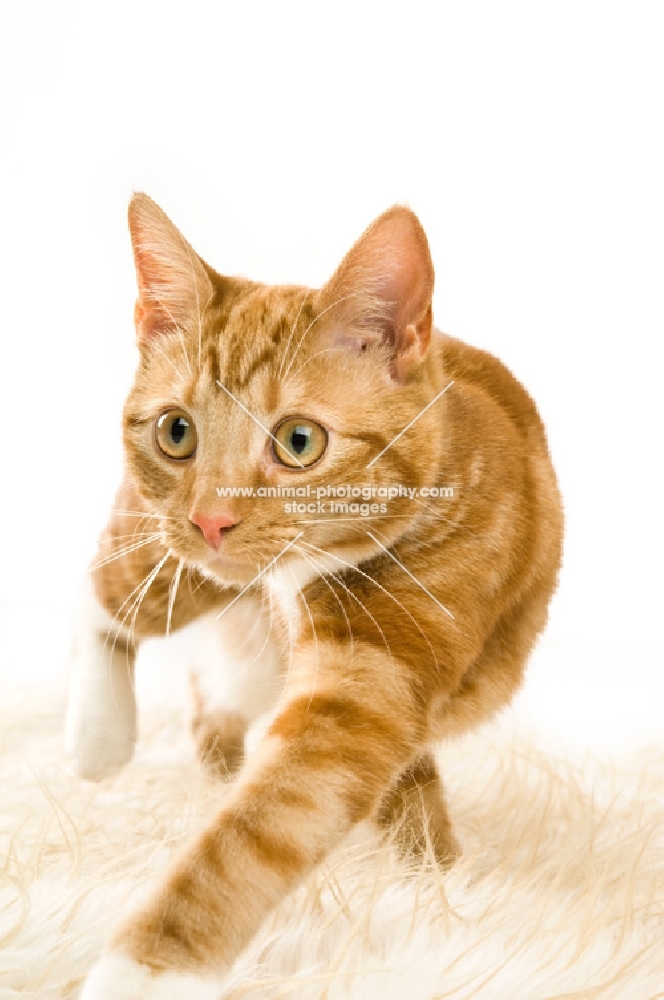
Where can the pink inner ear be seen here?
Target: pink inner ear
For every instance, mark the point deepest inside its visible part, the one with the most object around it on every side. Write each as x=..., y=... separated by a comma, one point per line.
x=153, y=314
x=149, y=315
x=150, y=319
x=173, y=285
x=385, y=283
x=150, y=272
x=404, y=273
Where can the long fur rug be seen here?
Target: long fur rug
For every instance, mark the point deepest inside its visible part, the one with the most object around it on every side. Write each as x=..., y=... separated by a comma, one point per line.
x=559, y=894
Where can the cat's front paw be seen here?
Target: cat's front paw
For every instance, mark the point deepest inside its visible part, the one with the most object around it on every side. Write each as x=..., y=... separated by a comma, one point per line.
x=117, y=977
x=100, y=731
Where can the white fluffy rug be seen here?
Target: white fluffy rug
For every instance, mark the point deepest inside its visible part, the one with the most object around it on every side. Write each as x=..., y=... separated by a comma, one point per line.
x=560, y=893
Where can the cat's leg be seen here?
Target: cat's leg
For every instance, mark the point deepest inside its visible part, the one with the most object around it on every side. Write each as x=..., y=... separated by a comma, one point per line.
x=100, y=729
x=131, y=593
x=235, y=679
x=415, y=810
x=330, y=755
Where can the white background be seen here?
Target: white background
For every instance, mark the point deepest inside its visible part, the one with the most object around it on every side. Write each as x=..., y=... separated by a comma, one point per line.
x=530, y=140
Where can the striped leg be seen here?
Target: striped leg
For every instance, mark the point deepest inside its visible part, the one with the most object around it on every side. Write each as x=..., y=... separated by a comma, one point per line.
x=323, y=766
x=415, y=810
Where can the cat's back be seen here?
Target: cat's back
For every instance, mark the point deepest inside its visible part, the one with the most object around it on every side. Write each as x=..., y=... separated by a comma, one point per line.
x=493, y=416
x=478, y=369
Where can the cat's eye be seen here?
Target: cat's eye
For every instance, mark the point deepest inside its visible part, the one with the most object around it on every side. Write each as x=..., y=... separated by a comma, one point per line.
x=175, y=434
x=299, y=442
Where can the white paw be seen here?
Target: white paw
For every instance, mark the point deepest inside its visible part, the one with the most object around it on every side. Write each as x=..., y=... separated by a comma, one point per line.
x=119, y=978
x=97, y=737
x=100, y=730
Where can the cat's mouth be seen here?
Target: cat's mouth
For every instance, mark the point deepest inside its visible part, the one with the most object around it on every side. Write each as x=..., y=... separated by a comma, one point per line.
x=228, y=570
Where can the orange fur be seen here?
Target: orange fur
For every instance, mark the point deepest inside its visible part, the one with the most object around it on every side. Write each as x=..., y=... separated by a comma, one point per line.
x=375, y=669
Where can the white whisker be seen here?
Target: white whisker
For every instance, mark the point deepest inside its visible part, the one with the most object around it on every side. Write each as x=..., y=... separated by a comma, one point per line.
x=138, y=513
x=410, y=424
x=150, y=580
x=326, y=350
x=176, y=325
x=290, y=337
x=256, y=420
x=350, y=593
x=385, y=591
x=260, y=574
x=269, y=630
x=134, y=535
x=289, y=628
x=198, y=304
x=315, y=320
x=172, y=592
x=408, y=572
x=125, y=550
x=312, y=562
x=183, y=345
x=313, y=628
x=120, y=625
x=155, y=346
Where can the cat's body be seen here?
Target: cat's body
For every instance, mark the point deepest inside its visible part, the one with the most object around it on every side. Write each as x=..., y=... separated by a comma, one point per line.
x=385, y=630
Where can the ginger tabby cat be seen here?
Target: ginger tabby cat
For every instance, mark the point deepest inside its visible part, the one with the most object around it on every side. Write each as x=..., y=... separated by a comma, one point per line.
x=379, y=628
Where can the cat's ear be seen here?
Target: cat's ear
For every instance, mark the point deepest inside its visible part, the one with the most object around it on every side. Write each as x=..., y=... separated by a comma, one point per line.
x=173, y=284
x=382, y=291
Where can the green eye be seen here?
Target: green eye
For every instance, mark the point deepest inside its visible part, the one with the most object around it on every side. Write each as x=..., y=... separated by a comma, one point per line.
x=299, y=442
x=175, y=434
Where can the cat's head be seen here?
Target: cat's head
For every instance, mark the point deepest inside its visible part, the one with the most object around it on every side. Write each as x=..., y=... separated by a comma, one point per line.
x=278, y=389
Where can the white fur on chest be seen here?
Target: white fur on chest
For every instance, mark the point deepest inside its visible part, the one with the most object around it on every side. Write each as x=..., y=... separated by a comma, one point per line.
x=237, y=659
x=285, y=585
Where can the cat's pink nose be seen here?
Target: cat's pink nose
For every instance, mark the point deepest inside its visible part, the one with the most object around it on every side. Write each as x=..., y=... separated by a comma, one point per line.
x=213, y=528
